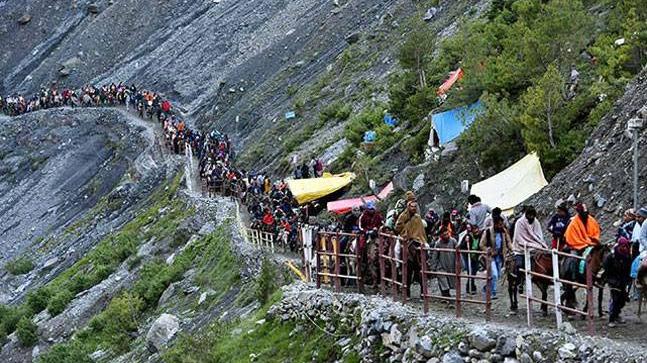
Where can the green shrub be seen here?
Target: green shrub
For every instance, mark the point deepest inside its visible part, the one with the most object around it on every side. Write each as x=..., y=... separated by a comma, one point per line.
x=26, y=332
x=72, y=352
x=266, y=282
x=59, y=301
x=37, y=300
x=9, y=317
x=335, y=111
x=118, y=320
x=19, y=266
x=154, y=278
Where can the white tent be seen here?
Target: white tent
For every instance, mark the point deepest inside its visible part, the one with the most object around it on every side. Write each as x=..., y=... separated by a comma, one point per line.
x=512, y=186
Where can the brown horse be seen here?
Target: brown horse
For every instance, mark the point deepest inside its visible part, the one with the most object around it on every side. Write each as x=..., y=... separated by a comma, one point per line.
x=414, y=265
x=596, y=259
x=542, y=263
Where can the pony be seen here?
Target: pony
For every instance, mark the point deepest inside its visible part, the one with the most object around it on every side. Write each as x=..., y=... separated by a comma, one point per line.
x=542, y=263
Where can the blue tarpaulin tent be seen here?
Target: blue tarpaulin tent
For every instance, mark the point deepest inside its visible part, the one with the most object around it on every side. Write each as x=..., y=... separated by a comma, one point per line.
x=390, y=120
x=370, y=136
x=450, y=124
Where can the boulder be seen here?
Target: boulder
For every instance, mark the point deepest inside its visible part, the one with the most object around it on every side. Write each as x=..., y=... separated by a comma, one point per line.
x=93, y=8
x=24, y=19
x=567, y=351
x=480, y=339
x=425, y=347
x=50, y=263
x=452, y=357
x=352, y=38
x=162, y=331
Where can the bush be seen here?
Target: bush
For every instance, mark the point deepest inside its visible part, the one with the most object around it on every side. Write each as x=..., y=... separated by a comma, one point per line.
x=266, y=281
x=9, y=318
x=66, y=353
x=19, y=266
x=26, y=332
x=37, y=300
x=59, y=301
x=118, y=320
x=335, y=111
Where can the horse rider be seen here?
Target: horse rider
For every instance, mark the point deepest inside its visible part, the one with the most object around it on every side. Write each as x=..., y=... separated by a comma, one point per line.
x=527, y=235
x=583, y=231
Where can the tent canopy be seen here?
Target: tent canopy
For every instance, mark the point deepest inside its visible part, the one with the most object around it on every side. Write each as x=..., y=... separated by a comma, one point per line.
x=450, y=124
x=346, y=205
x=512, y=186
x=307, y=190
x=454, y=77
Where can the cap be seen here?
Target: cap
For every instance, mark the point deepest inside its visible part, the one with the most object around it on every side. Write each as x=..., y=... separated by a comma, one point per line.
x=370, y=204
x=643, y=212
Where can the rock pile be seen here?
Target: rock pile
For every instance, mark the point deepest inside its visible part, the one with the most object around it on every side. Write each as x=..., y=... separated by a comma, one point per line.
x=381, y=330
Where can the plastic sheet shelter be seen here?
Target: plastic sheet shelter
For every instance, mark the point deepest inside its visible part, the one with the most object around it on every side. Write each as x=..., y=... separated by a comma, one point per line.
x=454, y=77
x=450, y=124
x=308, y=190
x=346, y=205
x=512, y=186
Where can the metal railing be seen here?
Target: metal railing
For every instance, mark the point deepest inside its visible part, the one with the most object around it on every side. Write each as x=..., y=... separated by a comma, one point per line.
x=330, y=260
x=557, y=287
x=458, y=277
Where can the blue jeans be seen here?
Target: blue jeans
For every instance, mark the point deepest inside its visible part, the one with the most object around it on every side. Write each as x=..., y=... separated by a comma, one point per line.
x=497, y=264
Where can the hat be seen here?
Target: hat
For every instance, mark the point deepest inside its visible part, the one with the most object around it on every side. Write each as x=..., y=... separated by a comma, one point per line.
x=643, y=212
x=370, y=205
x=630, y=212
x=410, y=196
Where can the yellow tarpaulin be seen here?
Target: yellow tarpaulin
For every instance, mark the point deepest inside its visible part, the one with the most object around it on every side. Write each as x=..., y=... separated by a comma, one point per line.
x=512, y=186
x=307, y=190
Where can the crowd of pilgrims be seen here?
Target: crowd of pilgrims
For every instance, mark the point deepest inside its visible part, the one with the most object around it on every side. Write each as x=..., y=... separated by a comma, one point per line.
x=272, y=208
x=147, y=103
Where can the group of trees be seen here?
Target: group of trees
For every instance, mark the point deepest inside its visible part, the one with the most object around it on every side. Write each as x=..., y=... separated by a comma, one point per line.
x=518, y=59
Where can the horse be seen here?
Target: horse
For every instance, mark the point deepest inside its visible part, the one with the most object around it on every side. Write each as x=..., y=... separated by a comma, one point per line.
x=641, y=285
x=414, y=265
x=595, y=261
x=542, y=263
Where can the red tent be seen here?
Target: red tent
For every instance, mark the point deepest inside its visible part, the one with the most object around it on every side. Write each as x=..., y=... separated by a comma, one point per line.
x=346, y=205
x=454, y=77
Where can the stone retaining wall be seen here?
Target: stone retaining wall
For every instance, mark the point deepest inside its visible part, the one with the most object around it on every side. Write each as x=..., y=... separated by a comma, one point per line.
x=382, y=330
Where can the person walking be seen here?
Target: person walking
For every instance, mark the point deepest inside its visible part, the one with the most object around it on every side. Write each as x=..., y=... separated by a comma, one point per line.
x=496, y=240
x=444, y=261
x=617, y=266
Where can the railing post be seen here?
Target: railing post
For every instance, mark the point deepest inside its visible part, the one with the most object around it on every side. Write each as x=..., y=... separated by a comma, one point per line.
x=528, y=268
x=358, y=258
x=405, y=268
x=457, y=280
x=557, y=288
x=423, y=277
x=335, y=247
x=394, y=268
x=380, y=244
x=488, y=284
x=318, y=262
x=589, y=296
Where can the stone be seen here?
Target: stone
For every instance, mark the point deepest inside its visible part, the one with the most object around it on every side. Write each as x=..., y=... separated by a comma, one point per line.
x=35, y=352
x=50, y=263
x=474, y=353
x=452, y=357
x=525, y=358
x=352, y=38
x=425, y=346
x=64, y=72
x=510, y=360
x=167, y=294
x=505, y=346
x=161, y=332
x=24, y=19
x=480, y=339
x=537, y=356
x=567, y=351
x=93, y=8
x=418, y=182
x=430, y=13
x=98, y=355
x=567, y=328
x=463, y=348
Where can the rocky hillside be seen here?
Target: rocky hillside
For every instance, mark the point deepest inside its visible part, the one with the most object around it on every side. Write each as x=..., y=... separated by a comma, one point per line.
x=69, y=176
x=602, y=175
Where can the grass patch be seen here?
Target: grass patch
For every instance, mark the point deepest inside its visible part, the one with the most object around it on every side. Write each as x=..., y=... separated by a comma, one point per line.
x=272, y=341
x=112, y=329
x=104, y=259
x=19, y=266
